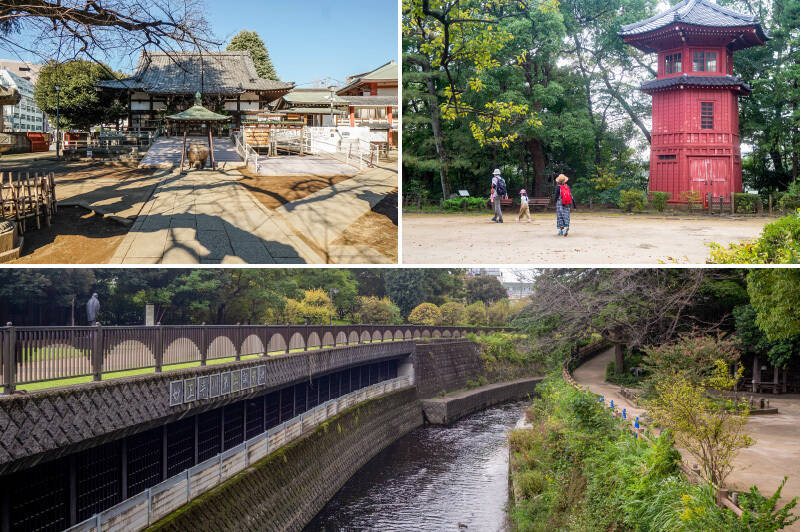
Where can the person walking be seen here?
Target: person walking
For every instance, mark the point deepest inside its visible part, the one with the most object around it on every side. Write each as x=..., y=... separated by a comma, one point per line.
x=499, y=192
x=524, y=209
x=564, y=202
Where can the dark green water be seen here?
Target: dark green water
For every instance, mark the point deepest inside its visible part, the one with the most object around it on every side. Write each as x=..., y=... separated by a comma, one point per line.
x=435, y=478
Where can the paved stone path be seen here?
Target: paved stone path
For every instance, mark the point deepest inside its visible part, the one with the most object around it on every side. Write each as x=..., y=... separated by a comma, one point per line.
x=775, y=453
x=208, y=217
x=324, y=215
x=166, y=153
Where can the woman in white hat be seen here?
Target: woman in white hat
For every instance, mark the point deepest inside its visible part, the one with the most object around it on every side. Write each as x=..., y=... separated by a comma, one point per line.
x=498, y=192
x=564, y=201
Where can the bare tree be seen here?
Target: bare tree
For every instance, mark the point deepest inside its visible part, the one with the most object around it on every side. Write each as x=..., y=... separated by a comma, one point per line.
x=625, y=306
x=69, y=29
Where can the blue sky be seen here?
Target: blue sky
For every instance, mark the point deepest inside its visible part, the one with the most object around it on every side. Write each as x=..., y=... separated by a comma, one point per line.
x=307, y=39
x=310, y=39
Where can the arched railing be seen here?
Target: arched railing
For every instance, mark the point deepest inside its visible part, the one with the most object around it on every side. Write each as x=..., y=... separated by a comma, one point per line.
x=37, y=354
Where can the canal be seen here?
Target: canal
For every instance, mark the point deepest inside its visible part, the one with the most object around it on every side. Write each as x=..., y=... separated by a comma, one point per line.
x=435, y=478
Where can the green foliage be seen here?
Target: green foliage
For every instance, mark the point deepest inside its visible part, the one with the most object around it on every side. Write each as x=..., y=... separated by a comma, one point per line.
x=632, y=200
x=408, y=287
x=453, y=313
x=476, y=314
x=315, y=306
x=692, y=356
x=485, y=288
x=425, y=314
x=775, y=297
x=631, y=359
x=249, y=41
x=501, y=346
x=779, y=243
x=658, y=200
x=79, y=104
x=754, y=340
x=457, y=204
x=747, y=203
x=498, y=313
x=578, y=468
x=374, y=310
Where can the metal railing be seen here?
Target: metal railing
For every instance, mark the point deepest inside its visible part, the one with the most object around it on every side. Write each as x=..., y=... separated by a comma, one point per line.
x=245, y=151
x=39, y=354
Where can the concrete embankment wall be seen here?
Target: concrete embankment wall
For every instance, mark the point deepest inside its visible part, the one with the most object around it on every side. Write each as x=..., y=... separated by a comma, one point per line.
x=287, y=488
x=446, y=410
x=446, y=366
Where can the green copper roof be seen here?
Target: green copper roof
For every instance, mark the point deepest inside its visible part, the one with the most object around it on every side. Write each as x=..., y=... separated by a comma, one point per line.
x=199, y=113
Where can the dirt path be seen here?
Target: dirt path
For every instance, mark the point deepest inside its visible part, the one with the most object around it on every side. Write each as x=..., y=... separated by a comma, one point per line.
x=76, y=236
x=775, y=453
x=605, y=238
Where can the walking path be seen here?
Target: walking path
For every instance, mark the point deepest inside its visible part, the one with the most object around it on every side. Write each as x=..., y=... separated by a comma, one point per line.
x=594, y=237
x=166, y=153
x=206, y=216
x=774, y=454
x=323, y=216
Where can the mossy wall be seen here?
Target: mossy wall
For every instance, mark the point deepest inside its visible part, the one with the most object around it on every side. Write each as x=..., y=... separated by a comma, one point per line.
x=285, y=490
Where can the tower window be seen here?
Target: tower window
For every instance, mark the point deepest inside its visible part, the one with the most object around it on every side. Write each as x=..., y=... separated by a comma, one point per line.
x=704, y=61
x=706, y=115
x=672, y=64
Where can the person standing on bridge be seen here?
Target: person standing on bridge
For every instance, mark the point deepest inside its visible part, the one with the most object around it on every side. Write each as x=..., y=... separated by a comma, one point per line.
x=499, y=193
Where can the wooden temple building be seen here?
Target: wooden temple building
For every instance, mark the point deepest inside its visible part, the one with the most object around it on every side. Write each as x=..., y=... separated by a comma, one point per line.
x=695, y=134
x=166, y=83
x=368, y=99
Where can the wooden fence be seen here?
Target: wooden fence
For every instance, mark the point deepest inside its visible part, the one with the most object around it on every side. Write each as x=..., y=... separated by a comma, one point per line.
x=26, y=196
x=37, y=354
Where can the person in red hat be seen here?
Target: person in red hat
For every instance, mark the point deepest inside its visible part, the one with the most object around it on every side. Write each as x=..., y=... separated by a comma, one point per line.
x=524, y=210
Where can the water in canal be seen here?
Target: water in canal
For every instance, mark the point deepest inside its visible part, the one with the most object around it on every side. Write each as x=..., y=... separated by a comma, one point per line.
x=435, y=478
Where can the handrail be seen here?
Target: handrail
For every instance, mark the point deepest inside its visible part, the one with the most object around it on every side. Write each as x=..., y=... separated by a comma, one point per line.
x=40, y=354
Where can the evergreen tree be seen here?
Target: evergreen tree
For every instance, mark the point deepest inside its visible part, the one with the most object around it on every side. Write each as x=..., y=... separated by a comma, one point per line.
x=249, y=41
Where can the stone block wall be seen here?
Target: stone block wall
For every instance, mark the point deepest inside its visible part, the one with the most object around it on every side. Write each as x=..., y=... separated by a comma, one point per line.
x=286, y=489
x=45, y=425
x=445, y=366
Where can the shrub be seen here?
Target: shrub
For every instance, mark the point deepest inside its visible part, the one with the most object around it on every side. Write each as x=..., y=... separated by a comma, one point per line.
x=476, y=314
x=457, y=204
x=632, y=200
x=779, y=243
x=425, y=314
x=498, y=313
x=658, y=200
x=374, y=310
x=789, y=203
x=453, y=313
x=315, y=305
x=747, y=203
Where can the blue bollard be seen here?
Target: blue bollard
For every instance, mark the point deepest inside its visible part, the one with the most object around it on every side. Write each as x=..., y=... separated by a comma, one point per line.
x=636, y=423
x=636, y=435
x=602, y=399
x=624, y=414
x=612, y=403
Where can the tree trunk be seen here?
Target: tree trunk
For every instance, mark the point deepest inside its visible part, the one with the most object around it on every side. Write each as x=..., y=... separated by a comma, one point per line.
x=436, y=126
x=619, y=358
x=539, y=164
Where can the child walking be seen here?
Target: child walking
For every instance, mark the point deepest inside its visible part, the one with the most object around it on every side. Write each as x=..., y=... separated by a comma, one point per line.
x=524, y=210
x=564, y=201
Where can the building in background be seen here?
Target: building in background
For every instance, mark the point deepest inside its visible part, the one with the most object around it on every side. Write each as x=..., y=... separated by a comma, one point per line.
x=24, y=116
x=481, y=272
x=312, y=106
x=518, y=290
x=372, y=99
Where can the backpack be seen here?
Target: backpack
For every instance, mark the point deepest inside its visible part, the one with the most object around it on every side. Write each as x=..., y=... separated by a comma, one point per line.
x=500, y=187
x=566, y=196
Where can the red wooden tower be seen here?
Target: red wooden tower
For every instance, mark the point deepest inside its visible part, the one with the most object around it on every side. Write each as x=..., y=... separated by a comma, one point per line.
x=695, y=133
